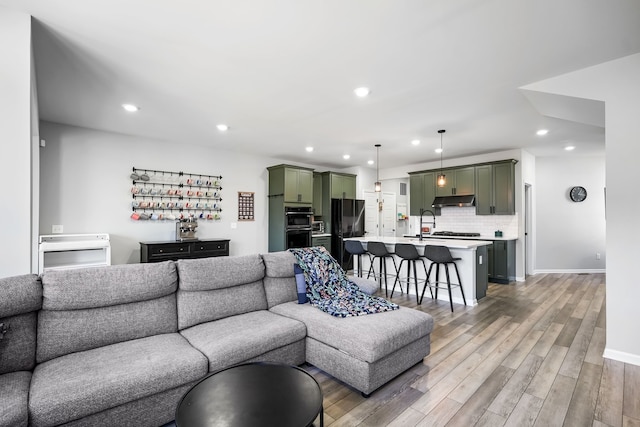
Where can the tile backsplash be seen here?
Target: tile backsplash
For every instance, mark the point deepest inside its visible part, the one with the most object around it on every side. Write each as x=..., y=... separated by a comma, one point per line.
x=465, y=220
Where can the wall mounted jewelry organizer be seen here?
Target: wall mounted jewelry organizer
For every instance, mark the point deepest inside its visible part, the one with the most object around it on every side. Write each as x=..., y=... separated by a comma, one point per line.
x=169, y=195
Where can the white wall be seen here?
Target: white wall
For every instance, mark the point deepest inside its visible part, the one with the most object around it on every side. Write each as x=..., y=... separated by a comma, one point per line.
x=15, y=142
x=569, y=234
x=85, y=187
x=618, y=84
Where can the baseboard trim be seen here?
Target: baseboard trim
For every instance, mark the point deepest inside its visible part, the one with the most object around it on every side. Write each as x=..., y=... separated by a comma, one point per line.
x=621, y=356
x=571, y=271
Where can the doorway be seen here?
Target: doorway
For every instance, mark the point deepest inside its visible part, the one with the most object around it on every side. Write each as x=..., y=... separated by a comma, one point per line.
x=528, y=241
x=389, y=214
x=371, y=213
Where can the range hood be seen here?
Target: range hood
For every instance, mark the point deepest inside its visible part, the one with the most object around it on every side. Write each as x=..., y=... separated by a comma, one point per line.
x=460, y=201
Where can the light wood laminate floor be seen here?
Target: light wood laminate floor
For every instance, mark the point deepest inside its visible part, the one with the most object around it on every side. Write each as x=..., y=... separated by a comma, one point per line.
x=529, y=354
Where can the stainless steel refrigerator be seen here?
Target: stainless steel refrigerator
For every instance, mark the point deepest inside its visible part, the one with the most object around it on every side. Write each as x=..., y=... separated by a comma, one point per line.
x=347, y=220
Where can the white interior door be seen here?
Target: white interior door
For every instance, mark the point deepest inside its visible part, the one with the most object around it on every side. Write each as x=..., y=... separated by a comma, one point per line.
x=389, y=214
x=371, y=214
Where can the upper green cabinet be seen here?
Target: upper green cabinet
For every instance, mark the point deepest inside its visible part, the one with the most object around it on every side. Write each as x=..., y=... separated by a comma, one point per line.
x=342, y=186
x=459, y=182
x=495, y=189
x=422, y=191
x=335, y=186
x=492, y=183
x=293, y=182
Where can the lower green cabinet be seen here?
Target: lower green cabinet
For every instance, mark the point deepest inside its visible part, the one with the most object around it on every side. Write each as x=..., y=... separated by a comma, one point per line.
x=321, y=241
x=502, y=261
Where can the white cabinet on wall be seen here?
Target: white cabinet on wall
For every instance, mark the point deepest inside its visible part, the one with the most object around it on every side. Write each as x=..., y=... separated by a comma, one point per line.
x=61, y=251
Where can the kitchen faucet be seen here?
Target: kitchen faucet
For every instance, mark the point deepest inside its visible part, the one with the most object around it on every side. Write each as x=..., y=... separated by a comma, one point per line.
x=423, y=211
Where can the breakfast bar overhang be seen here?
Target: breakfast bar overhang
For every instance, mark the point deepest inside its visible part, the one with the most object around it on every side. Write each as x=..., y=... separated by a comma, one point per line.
x=472, y=264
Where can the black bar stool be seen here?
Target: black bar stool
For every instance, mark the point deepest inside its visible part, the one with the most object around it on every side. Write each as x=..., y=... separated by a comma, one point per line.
x=408, y=252
x=356, y=249
x=441, y=255
x=379, y=250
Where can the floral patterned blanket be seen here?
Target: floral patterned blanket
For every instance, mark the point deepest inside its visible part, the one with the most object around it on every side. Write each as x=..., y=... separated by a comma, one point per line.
x=330, y=290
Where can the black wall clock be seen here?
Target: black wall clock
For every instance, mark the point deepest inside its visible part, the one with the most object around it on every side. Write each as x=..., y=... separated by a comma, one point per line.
x=578, y=194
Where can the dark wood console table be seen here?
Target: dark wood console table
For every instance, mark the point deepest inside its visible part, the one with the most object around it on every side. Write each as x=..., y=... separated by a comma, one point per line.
x=188, y=249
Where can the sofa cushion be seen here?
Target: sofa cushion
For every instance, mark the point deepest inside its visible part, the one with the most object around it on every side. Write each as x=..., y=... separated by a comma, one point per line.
x=18, y=344
x=206, y=274
x=82, y=288
x=279, y=264
x=14, y=397
x=92, y=307
x=79, y=384
x=64, y=332
x=367, y=286
x=20, y=294
x=301, y=284
x=368, y=338
x=236, y=339
x=215, y=288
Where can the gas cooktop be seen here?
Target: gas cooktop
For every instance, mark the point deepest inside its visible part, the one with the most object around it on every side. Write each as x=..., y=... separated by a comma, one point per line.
x=455, y=234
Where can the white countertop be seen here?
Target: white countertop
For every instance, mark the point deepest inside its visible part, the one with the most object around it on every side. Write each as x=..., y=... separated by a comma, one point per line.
x=464, y=238
x=321, y=235
x=450, y=243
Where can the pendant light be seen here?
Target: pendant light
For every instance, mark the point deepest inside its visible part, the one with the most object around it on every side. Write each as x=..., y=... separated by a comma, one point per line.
x=442, y=181
x=378, y=184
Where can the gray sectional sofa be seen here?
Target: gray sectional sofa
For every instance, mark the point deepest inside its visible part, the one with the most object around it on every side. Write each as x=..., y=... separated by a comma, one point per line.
x=120, y=345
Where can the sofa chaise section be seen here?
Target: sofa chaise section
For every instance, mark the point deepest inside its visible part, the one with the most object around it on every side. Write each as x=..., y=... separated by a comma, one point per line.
x=222, y=311
x=363, y=351
x=108, y=349
x=20, y=299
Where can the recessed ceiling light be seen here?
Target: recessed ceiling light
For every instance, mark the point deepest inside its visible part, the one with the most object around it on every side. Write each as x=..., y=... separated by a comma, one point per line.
x=346, y=157
x=542, y=132
x=130, y=107
x=569, y=147
x=370, y=162
x=222, y=127
x=438, y=150
x=362, y=92
x=415, y=142
x=309, y=149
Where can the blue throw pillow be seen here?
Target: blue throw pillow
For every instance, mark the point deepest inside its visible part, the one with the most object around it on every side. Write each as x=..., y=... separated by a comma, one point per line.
x=300, y=284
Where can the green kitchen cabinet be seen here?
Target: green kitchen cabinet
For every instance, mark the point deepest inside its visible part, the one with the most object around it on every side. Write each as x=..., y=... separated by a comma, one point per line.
x=459, y=182
x=501, y=266
x=317, y=194
x=495, y=189
x=335, y=186
x=321, y=241
x=342, y=186
x=293, y=182
x=422, y=191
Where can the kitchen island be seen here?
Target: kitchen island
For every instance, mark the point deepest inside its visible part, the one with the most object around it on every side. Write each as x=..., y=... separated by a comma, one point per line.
x=472, y=264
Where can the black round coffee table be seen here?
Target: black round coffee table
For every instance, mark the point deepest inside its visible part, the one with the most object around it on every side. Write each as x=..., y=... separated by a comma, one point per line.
x=252, y=394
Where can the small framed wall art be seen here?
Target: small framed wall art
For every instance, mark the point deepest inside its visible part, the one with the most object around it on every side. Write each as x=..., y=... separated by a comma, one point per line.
x=245, y=206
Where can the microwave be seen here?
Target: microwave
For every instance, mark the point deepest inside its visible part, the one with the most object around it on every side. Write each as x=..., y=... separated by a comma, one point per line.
x=317, y=227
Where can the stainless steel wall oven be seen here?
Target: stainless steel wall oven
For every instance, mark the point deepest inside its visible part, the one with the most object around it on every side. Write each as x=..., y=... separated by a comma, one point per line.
x=298, y=226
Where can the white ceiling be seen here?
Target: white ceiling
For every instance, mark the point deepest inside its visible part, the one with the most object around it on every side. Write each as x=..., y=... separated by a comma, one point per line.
x=281, y=73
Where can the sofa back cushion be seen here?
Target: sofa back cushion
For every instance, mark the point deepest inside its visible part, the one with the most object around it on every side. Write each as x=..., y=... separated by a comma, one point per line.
x=219, y=287
x=279, y=281
x=20, y=299
x=92, y=307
